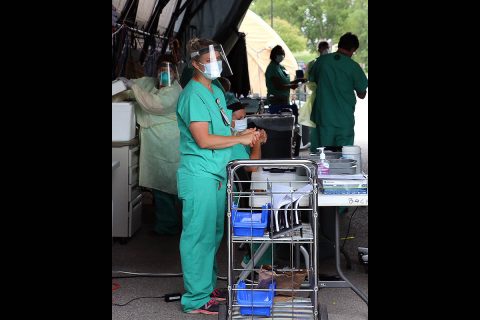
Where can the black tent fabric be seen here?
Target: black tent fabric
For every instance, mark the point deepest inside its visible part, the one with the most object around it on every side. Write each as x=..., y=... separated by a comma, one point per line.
x=213, y=19
x=239, y=64
x=129, y=13
x=219, y=20
x=152, y=25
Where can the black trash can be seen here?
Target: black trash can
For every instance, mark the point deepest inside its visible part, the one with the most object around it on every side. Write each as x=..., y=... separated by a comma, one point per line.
x=279, y=129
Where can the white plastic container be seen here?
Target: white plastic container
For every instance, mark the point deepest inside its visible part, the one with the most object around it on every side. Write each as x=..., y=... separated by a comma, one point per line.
x=353, y=152
x=117, y=87
x=123, y=121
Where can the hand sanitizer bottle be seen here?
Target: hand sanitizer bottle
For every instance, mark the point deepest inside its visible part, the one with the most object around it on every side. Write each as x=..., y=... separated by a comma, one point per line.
x=323, y=165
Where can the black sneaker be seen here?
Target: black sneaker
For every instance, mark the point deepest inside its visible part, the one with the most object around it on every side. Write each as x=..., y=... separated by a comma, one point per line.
x=211, y=307
x=219, y=294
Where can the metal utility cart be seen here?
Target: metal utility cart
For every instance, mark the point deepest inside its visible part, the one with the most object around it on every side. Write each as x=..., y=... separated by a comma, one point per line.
x=286, y=219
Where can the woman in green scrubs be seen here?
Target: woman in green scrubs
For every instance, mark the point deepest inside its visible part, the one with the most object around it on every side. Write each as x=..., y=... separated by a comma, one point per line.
x=205, y=149
x=278, y=83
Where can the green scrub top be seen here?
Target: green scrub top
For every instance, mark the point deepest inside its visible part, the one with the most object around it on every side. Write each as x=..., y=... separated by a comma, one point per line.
x=337, y=76
x=240, y=152
x=275, y=69
x=197, y=103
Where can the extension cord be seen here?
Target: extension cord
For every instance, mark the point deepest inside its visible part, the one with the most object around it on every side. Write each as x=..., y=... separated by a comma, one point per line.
x=170, y=297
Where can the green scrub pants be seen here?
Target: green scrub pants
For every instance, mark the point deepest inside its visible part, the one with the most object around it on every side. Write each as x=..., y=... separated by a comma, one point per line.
x=166, y=218
x=203, y=200
x=335, y=136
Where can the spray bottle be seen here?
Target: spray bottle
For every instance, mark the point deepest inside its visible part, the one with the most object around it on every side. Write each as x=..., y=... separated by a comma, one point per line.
x=323, y=165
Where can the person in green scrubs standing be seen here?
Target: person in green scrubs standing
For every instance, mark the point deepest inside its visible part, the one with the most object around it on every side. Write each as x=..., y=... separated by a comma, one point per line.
x=338, y=78
x=277, y=80
x=205, y=150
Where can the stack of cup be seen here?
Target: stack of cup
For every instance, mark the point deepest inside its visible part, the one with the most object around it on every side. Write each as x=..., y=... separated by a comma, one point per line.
x=353, y=152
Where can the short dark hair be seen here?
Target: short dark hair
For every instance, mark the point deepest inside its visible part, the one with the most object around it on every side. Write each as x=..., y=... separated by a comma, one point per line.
x=237, y=105
x=323, y=45
x=277, y=50
x=348, y=41
x=166, y=58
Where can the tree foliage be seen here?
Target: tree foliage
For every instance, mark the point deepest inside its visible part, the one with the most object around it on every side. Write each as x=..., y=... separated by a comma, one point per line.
x=321, y=19
x=292, y=36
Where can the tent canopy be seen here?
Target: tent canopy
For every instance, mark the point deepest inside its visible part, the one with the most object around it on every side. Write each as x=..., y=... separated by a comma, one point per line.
x=218, y=20
x=213, y=19
x=222, y=21
x=145, y=10
x=260, y=40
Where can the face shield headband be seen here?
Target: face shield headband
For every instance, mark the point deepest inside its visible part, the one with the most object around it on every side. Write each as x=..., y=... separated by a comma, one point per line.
x=212, y=51
x=168, y=73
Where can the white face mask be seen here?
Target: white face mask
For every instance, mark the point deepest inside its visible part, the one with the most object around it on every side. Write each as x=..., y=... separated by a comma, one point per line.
x=325, y=51
x=212, y=70
x=241, y=125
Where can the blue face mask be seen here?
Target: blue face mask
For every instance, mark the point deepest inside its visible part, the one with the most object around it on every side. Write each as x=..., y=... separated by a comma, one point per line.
x=212, y=70
x=241, y=125
x=164, y=79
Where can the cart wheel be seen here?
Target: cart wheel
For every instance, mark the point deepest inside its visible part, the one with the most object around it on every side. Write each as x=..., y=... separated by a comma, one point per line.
x=322, y=312
x=222, y=312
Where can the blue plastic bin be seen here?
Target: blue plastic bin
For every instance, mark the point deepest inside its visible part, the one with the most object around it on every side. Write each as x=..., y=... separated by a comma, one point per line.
x=258, y=302
x=250, y=223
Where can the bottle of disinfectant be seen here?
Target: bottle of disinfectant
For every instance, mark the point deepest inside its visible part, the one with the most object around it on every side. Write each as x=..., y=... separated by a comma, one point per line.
x=323, y=165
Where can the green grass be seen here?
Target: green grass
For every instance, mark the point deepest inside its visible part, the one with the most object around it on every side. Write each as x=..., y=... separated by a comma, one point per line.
x=304, y=56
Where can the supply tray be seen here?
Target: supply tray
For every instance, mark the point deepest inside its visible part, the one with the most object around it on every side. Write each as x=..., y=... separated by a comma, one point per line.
x=305, y=235
x=302, y=309
x=283, y=307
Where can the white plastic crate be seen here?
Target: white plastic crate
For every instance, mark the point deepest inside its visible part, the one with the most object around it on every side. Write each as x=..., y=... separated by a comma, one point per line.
x=117, y=87
x=123, y=121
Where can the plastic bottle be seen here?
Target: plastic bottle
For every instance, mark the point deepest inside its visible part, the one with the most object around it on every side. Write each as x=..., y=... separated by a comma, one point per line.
x=323, y=165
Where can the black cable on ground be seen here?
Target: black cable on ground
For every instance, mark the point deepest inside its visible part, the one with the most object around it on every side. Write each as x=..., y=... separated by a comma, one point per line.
x=348, y=229
x=122, y=305
x=160, y=276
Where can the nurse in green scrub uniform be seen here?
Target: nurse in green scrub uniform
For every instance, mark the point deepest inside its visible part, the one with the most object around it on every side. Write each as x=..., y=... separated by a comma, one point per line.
x=205, y=150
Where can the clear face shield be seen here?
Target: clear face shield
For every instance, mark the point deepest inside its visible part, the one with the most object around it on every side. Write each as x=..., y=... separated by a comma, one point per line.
x=214, y=61
x=167, y=74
